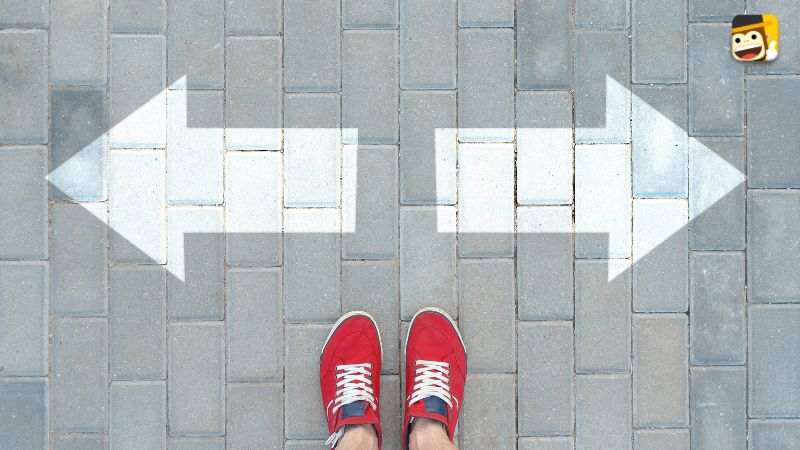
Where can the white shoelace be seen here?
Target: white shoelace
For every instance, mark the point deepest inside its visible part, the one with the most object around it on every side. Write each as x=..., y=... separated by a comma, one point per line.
x=354, y=383
x=432, y=379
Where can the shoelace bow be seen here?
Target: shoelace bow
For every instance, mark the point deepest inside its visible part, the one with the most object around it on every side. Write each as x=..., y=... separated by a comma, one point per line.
x=354, y=383
x=432, y=379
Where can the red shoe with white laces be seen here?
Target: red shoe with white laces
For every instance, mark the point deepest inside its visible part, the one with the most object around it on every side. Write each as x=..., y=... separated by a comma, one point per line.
x=349, y=374
x=436, y=368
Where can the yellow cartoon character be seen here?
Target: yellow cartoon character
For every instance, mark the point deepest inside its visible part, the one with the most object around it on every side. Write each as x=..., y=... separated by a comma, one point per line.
x=754, y=37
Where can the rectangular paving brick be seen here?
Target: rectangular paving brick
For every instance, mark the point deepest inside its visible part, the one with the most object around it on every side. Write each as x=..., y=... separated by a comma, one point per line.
x=427, y=259
x=254, y=416
x=253, y=208
x=660, y=255
x=771, y=133
x=254, y=17
x=369, y=87
x=787, y=62
x=312, y=55
x=196, y=389
x=545, y=380
x=23, y=119
x=714, y=10
x=372, y=286
x=369, y=202
x=545, y=443
x=137, y=16
x=79, y=375
x=427, y=44
x=486, y=289
x=311, y=252
x=781, y=434
x=80, y=442
x=773, y=361
x=79, y=259
x=312, y=150
x=717, y=307
x=602, y=316
x=720, y=224
x=660, y=371
x=196, y=260
x=603, y=412
x=480, y=13
x=14, y=14
x=479, y=430
x=665, y=439
x=716, y=83
x=486, y=200
x=373, y=14
x=545, y=63
x=659, y=141
x=303, y=417
x=545, y=158
x=195, y=443
x=23, y=318
x=137, y=323
x=391, y=410
x=78, y=40
x=544, y=262
x=602, y=98
x=24, y=413
x=195, y=39
x=486, y=85
x=603, y=14
x=23, y=230
x=253, y=319
x=138, y=416
x=658, y=41
x=427, y=147
x=773, y=257
x=253, y=93
x=718, y=407
x=602, y=201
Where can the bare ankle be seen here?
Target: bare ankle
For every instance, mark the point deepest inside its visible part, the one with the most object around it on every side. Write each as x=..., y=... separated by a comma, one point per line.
x=428, y=434
x=359, y=437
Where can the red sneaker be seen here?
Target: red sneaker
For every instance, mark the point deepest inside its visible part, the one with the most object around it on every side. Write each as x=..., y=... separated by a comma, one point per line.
x=349, y=374
x=436, y=368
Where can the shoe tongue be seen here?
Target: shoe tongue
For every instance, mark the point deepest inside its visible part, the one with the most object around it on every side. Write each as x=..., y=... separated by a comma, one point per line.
x=355, y=409
x=357, y=412
x=430, y=408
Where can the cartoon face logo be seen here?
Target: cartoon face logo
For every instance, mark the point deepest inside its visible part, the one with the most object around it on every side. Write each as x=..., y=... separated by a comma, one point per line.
x=754, y=37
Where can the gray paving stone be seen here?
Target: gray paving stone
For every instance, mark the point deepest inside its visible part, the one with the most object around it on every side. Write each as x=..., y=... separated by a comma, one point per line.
x=771, y=132
x=427, y=44
x=716, y=83
x=658, y=41
x=774, y=361
x=303, y=416
x=195, y=39
x=253, y=93
x=773, y=434
x=80, y=442
x=196, y=253
x=773, y=257
x=79, y=375
x=23, y=319
x=305, y=444
x=602, y=316
x=369, y=87
x=545, y=443
x=603, y=14
x=427, y=260
x=787, y=62
x=196, y=390
x=480, y=13
x=314, y=256
x=24, y=413
x=485, y=85
x=23, y=231
x=14, y=14
x=603, y=412
x=717, y=308
x=369, y=14
x=312, y=54
x=486, y=289
x=660, y=370
x=370, y=202
x=545, y=63
x=23, y=90
x=716, y=225
x=544, y=263
x=79, y=260
x=392, y=410
x=138, y=415
x=254, y=416
x=372, y=286
x=714, y=10
x=196, y=443
x=253, y=319
x=137, y=323
x=718, y=408
x=254, y=17
x=545, y=381
x=137, y=16
x=78, y=41
x=488, y=421
x=427, y=156
x=665, y=439
x=77, y=144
